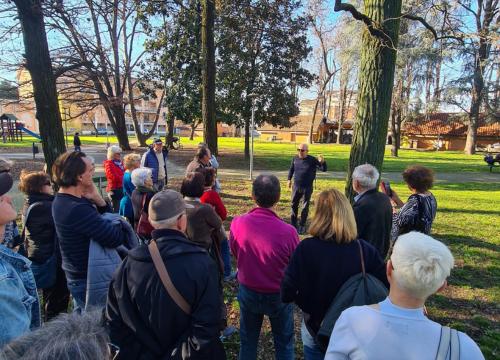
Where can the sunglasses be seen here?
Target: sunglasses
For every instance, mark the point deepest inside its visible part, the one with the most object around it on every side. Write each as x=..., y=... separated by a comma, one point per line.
x=301, y=150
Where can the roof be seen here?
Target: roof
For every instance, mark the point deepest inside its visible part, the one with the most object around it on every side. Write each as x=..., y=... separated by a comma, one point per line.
x=302, y=123
x=446, y=124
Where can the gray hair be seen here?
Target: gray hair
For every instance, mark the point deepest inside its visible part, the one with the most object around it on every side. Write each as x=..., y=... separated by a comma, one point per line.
x=367, y=176
x=140, y=175
x=169, y=223
x=112, y=150
x=67, y=337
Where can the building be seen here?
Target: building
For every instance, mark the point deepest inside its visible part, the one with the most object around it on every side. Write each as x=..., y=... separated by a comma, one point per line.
x=447, y=131
x=325, y=125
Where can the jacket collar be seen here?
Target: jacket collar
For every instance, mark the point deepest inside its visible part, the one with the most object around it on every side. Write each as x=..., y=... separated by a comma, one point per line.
x=263, y=211
x=173, y=242
x=367, y=192
x=14, y=258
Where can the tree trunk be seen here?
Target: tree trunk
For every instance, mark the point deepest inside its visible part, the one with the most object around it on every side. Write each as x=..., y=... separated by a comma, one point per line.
x=376, y=78
x=247, y=137
x=119, y=126
x=208, y=76
x=170, y=126
x=39, y=65
x=311, y=127
x=193, y=128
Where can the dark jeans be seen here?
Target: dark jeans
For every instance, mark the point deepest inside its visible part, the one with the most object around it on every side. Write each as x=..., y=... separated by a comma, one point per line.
x=78, y=148
x=78, y=290
x=298, y=194
x=56, y=298
x=116, y=196
x=253, y=307
x=226, y=257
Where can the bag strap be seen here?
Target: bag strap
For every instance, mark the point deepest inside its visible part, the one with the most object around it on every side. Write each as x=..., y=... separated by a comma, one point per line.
x=444, y=343
x=165, y=278
x=143, y=202
x=362, y=258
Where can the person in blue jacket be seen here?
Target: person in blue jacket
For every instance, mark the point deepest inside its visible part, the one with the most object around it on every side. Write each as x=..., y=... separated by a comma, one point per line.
x=156, y=159
x=130, y=162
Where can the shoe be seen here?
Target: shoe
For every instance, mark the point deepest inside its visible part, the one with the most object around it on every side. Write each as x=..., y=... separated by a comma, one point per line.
x=230, y=277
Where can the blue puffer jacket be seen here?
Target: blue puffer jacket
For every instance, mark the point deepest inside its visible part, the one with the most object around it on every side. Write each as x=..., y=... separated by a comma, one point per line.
x=150, y=160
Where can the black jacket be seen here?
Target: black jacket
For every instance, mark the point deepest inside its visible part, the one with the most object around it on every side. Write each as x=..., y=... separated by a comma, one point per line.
x=40, y=230
x=373, y=213
x=317, y=271
x=76, y=141
x=145, y=323
x=303, y=171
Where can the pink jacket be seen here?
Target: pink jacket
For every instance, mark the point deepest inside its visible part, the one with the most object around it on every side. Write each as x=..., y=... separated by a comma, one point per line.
x=262, y=244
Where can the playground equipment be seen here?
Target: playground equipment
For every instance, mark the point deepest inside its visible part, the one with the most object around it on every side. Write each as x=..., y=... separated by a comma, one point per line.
x=12, y=130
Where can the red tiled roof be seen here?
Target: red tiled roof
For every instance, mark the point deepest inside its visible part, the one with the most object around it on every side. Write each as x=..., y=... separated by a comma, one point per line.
x=446, y=124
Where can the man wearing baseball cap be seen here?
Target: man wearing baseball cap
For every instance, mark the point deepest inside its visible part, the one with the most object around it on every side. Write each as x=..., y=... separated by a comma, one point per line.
x=156, y=159
x=148, y=318
x=19, y=304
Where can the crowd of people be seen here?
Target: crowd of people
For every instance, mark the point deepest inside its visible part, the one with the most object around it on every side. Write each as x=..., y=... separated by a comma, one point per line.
x=145, y=269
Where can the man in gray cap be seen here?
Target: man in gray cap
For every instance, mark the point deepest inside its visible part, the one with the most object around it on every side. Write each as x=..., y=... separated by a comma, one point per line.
x=156, y=159
x=165, y=297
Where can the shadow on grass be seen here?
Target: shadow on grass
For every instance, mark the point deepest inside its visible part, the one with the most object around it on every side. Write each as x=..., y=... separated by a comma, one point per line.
x=473, y=212
x=451, y=239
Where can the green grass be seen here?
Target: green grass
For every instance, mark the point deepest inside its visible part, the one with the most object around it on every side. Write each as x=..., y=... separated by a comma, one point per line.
x=467, y=221
x=276, y=156
x=86, y=140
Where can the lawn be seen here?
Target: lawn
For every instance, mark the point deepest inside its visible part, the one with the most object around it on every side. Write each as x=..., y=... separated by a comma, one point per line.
x=86, y=140
x=467, y=221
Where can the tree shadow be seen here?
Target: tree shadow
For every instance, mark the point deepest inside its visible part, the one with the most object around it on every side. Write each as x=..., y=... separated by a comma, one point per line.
x=468, y=211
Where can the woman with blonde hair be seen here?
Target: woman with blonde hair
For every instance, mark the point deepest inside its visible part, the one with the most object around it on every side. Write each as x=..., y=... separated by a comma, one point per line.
x=322, y=263
x=114, y=170
x=130, y=163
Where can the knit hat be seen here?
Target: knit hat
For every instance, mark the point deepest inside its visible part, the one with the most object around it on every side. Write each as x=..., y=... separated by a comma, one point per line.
x=166, y=204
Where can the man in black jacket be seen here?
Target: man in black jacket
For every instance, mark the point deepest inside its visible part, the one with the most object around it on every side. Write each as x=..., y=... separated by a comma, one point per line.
x=303, y=170
x=144, y=321
x=372, y=209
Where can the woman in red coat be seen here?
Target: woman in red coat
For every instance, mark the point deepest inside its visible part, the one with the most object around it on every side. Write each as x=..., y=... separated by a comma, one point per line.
x=113, y=167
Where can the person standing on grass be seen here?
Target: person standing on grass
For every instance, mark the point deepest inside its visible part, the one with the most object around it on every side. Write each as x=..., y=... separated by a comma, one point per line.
x=77, y=210
x=113, y=167
x=263, y=244
x=19, y=303
x=156, y=159
x=214, y=163
x=201, y=160
x=41, y=242
x=77, y=142
x=398, y=328
x=372, y=209
x=303, y=171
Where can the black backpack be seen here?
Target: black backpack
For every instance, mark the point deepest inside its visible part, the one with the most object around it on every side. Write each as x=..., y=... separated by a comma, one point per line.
x=360, y=289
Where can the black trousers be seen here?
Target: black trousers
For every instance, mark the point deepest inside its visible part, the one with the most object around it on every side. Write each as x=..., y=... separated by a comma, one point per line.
x=116, y=196
x=56, y=298
x=298, y=194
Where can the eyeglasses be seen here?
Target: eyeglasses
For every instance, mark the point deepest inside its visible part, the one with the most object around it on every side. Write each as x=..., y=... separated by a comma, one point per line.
x=301, y=150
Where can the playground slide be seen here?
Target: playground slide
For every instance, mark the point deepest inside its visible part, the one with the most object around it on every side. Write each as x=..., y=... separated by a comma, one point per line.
x=31, y=133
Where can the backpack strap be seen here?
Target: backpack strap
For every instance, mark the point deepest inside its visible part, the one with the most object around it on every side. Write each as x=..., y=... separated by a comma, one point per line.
x=455, y=345
x=444, y=343
x=165, y=278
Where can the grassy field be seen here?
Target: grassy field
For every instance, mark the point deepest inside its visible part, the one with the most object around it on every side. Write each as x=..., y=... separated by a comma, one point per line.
x=467, y=221
x=86, y=140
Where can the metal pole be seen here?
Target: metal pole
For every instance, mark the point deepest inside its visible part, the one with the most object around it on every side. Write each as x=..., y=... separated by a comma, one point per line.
x=66, y=125
x=251, y=134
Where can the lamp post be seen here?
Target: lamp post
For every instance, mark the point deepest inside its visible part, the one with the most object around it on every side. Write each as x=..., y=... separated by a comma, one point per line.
x=65, y=125
x=252, y=125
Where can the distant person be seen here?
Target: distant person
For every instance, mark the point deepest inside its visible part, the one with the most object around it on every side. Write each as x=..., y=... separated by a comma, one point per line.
x=77, y=142
x=69, y=336
x=156, y=159
x=10, y=235
x=212, y=197
x=144, y=320
x=420, y=210
x=303, y=171
x=130, y=163
x=114, y=170
x=372, y=209
x=141, y=196
x=323, y=263
x=19, y=304
x=214, y=163
x=263, y=244
x=201, y=160
x=77, y=210
x=398, y=326
x=41, y=242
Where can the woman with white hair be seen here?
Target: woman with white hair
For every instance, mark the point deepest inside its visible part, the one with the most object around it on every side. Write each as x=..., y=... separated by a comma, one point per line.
x=142, y=178
x=114, y=170
x=398, y=328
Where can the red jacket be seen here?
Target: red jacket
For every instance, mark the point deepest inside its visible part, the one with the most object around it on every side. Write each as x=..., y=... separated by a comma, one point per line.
x=211, y=197
x=114, y=174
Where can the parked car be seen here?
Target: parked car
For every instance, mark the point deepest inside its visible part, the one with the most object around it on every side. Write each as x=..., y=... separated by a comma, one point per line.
x=103, y=131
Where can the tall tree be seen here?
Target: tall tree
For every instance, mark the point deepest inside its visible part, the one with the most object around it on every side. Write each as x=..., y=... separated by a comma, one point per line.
x=262, y=46
x=208, y=61
x=39, y=65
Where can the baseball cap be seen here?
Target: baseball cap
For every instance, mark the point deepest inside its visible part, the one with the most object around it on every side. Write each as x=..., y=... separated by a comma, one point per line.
x=167, y=204
x=6, y=182
x=157, y=141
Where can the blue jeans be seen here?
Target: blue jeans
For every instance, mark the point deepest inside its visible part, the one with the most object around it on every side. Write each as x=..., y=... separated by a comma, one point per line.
x=226, y=257
x=311, y=350
x=253, y=307
x=78, y=290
